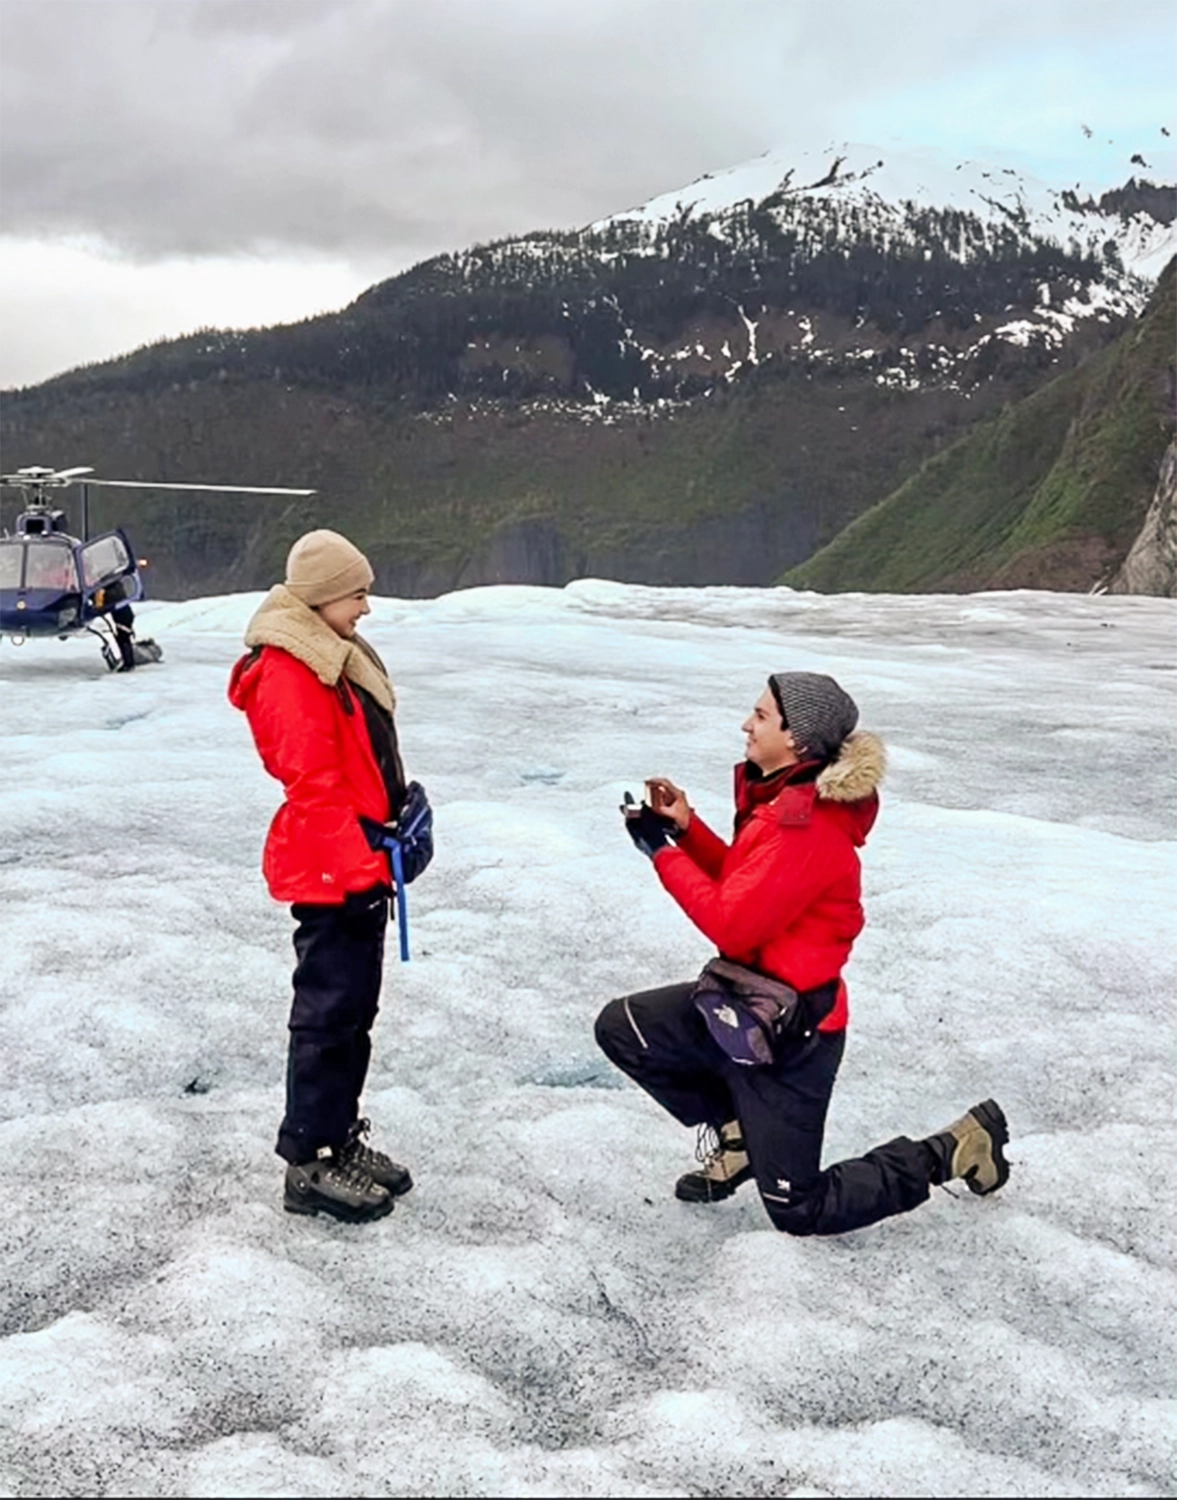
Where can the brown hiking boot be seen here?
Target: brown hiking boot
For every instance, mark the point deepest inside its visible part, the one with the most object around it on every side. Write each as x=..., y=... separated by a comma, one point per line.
x=723, y=1166
x=328, y=1185
x=386, y=1173
x=971, y=1149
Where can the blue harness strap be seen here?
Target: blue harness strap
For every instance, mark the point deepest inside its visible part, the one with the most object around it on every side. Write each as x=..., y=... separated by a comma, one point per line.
x=402, y=906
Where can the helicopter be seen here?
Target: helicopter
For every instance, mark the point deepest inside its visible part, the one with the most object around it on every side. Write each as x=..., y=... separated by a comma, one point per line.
x=55, y=584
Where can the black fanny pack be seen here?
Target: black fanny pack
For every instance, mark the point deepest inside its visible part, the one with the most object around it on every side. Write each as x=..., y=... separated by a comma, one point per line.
x=754, y=1017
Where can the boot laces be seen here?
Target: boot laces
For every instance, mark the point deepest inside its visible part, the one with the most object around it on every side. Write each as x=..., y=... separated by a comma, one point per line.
x=713, y=1148
x=357, y=1153
x=708, y=1146
x=346, y=1172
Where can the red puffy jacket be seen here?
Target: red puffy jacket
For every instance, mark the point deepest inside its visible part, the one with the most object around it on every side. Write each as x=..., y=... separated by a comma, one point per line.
x=314, y=740
x=786, y=896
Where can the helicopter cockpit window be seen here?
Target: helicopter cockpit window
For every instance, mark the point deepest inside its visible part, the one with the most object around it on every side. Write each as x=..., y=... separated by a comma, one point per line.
x=11, y=557
x=104, y=558
x=50, y=565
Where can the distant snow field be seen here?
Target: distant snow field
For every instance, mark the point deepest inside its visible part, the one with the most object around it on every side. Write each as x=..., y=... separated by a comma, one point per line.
x=540, y=1316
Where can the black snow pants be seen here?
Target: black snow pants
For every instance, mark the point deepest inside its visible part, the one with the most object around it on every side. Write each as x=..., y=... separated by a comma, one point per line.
x=123, y=618
x=661, y=1041
x=340, y=951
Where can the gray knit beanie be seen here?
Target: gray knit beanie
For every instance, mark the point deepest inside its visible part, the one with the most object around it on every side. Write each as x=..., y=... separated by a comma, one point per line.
x=816, y=709
x=324, y=566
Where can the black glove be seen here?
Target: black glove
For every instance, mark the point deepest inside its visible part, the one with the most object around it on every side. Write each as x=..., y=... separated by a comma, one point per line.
x=412, y=833
x=649, y=830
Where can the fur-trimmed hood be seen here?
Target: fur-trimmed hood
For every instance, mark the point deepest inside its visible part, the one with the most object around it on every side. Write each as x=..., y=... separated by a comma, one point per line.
x=856, y=771
x=283, y=620
x=847, y=787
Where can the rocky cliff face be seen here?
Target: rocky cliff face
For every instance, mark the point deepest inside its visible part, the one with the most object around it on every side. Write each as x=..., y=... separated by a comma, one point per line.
x=1151, y=564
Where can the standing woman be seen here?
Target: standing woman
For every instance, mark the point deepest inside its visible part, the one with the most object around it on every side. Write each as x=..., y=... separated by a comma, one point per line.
x=320, y=706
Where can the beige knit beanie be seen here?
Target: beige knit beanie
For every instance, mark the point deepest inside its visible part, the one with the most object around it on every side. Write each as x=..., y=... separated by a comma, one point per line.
x=324, y=566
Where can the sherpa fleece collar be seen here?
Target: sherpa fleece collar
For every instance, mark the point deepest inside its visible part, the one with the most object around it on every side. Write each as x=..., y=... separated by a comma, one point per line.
x=283, y=620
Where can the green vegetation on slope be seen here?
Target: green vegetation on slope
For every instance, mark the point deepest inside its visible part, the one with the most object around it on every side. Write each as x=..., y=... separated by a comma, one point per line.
x=1071, y=467
x=732, y=488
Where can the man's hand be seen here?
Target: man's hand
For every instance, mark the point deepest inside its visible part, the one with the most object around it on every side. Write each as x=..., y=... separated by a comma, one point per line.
x=669, y=800
x=649, y=830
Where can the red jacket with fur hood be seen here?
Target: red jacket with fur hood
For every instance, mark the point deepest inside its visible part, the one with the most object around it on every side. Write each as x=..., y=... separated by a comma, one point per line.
x=310, y=731
x=786, y=896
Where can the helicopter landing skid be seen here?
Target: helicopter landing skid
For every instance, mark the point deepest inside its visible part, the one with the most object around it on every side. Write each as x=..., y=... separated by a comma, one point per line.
x=143, y=652
x=109, y=655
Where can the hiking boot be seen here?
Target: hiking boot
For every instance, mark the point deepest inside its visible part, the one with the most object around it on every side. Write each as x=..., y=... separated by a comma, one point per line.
x=971, y=1149
x=723, y=1166
x=385, y=1172
x=328, y=1185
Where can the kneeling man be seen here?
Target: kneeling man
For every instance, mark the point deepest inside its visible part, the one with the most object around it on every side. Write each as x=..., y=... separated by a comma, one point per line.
x=752, y=1062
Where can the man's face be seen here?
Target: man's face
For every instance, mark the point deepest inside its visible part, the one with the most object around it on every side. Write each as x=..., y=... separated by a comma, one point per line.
x=768, y=745
x=343, y=614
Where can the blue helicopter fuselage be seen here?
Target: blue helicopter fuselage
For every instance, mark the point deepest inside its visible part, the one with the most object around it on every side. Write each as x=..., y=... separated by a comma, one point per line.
x=52, y=583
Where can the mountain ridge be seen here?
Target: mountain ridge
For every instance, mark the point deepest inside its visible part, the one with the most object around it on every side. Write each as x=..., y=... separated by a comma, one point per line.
x=679, y=395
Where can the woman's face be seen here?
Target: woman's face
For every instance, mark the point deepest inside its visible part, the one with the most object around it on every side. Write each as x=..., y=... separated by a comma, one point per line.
x=343, y=614
x=768, y=745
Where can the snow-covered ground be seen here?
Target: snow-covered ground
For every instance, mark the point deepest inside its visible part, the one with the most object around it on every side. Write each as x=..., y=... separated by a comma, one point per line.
x=540, y=1316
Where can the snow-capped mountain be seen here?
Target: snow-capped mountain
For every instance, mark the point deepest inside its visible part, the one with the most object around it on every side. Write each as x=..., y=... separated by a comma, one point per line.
x=891, y=198
x=706, y=388
x=888, y=184
x=900, y=264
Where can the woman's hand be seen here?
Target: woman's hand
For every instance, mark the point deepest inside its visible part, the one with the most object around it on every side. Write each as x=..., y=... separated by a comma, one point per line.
x=669, y=800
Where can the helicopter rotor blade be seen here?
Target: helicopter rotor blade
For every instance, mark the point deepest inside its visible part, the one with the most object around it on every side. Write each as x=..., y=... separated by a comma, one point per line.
x=224, y=489
x=29, y=479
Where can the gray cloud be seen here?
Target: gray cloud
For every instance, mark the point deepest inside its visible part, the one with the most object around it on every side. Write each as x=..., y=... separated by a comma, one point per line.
x=389, y=129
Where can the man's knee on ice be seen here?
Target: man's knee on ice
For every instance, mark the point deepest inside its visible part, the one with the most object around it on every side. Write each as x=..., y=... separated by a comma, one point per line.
x=613, y=1031
x=792, y=1211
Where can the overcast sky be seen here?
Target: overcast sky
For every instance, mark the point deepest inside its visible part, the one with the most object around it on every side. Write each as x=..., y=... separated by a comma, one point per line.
x=167, y=164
